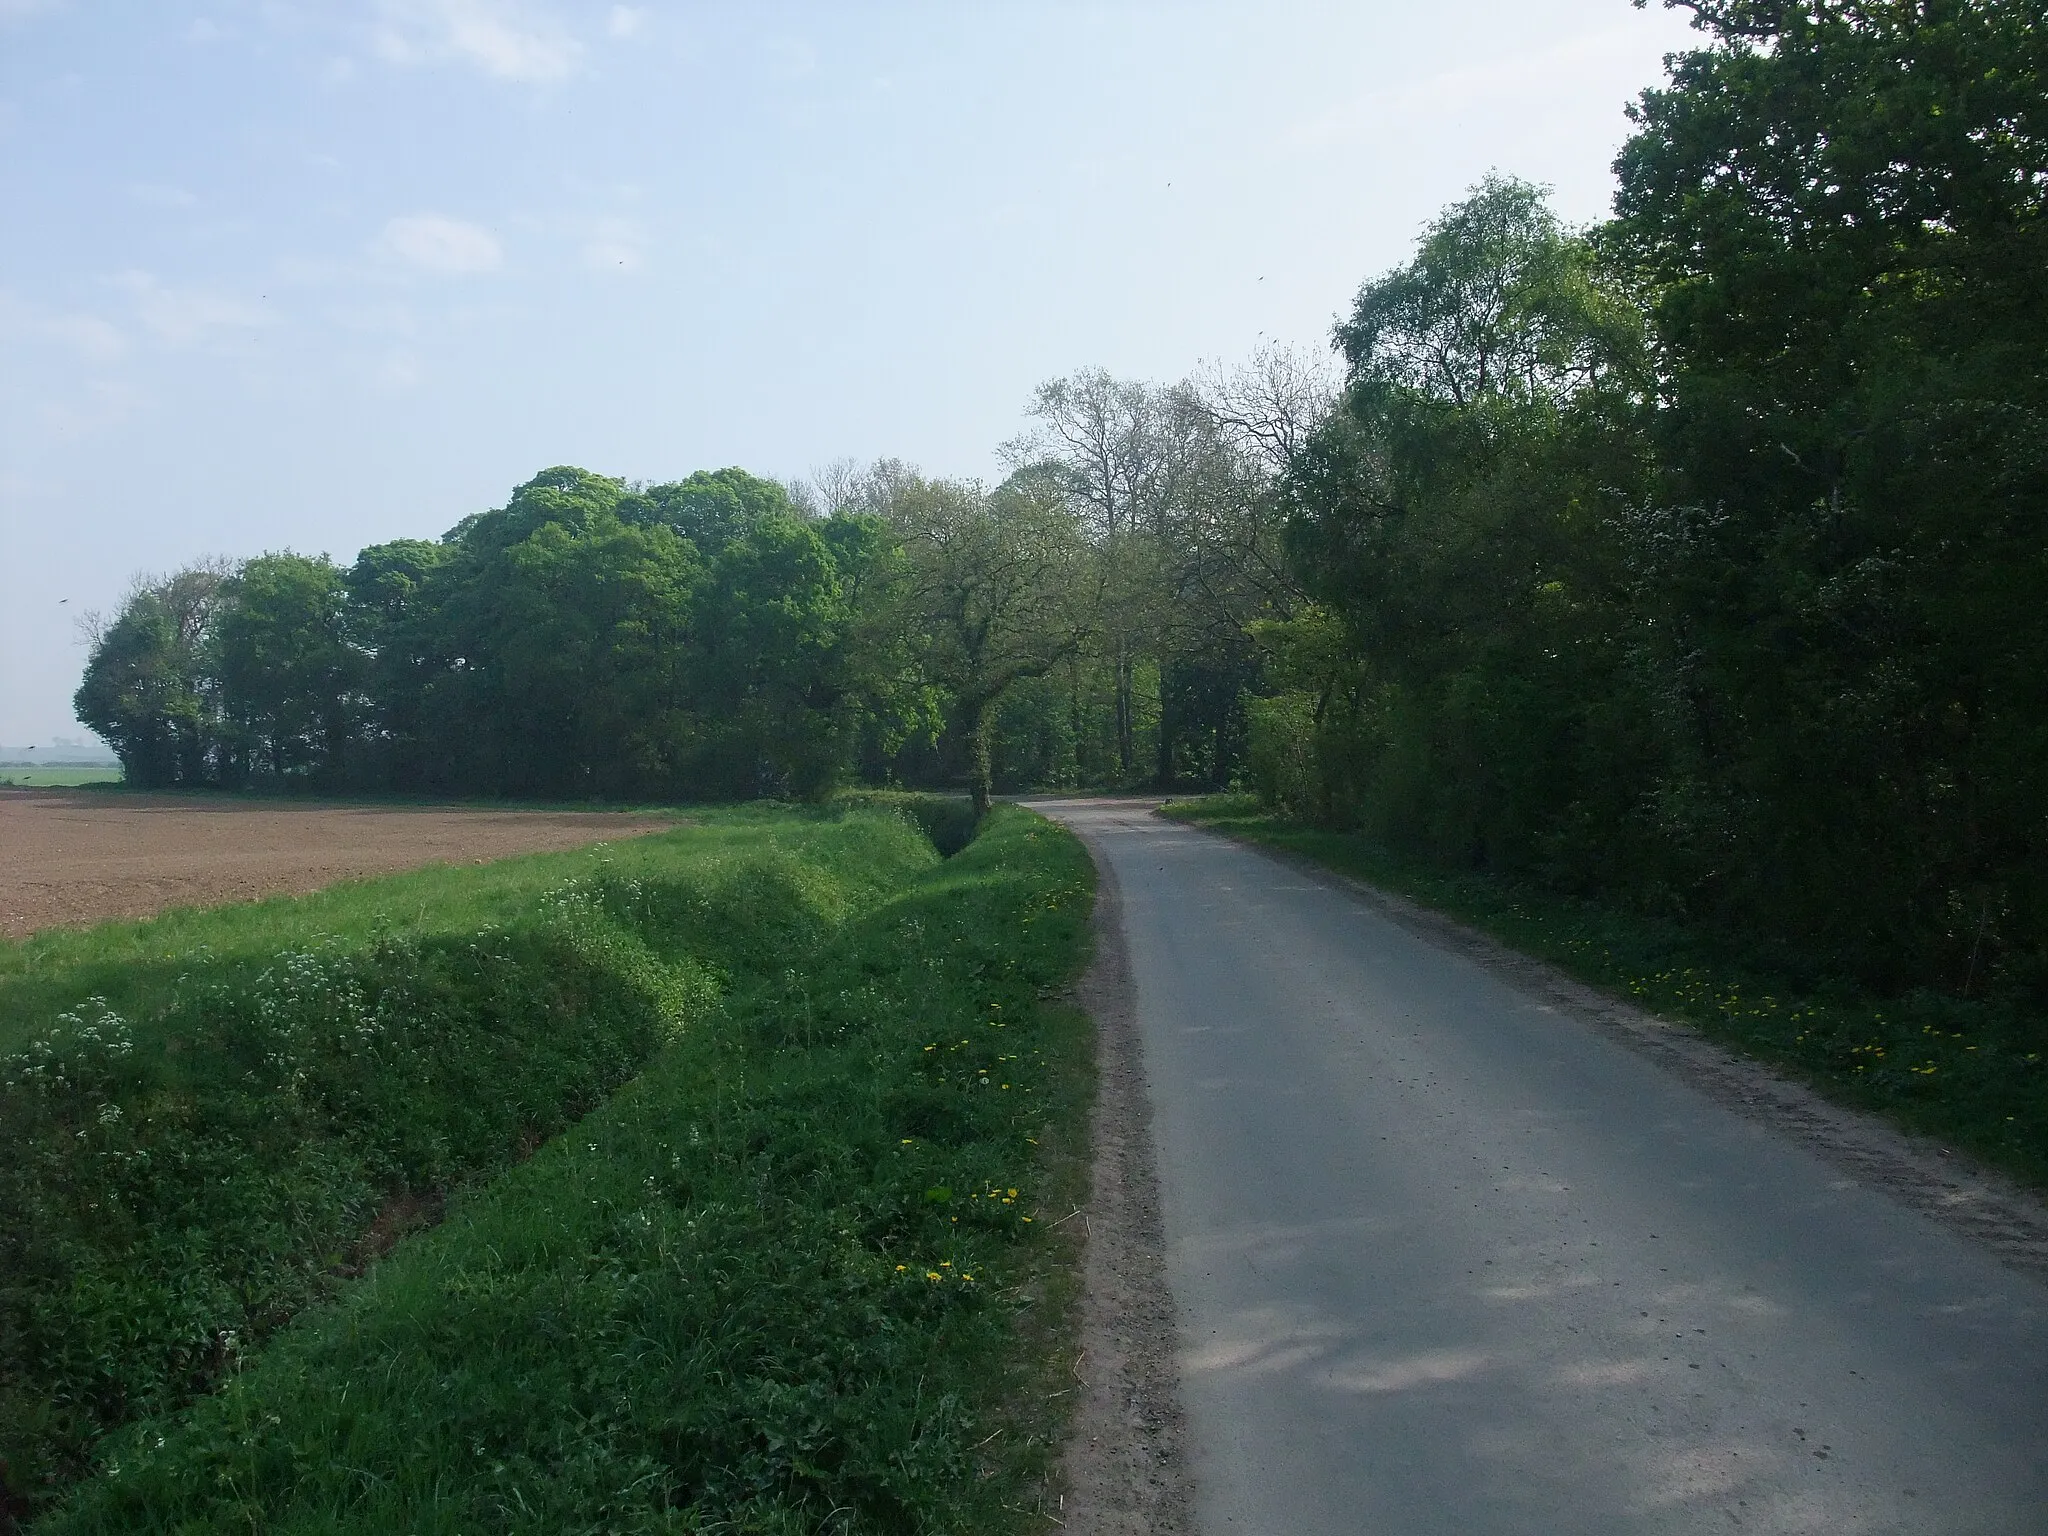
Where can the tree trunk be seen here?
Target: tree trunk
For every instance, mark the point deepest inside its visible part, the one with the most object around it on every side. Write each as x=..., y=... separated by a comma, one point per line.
x=981, y=755
x=1077, y=725
x=1126, y=736
x=1169, y=728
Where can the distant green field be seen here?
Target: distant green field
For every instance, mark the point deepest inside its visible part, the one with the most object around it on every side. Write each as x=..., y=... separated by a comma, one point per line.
x=57, y=778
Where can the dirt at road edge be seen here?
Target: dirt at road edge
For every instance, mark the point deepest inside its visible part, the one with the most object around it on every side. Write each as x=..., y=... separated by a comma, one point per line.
x=1125, y=1467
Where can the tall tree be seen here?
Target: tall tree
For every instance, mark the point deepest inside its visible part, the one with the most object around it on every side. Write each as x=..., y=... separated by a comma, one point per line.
x=1125, y=453
x=1456, y=518
x=772, y=672
x=993, y=589
x=149, y=687
x=395, y=591
x=564, y=658
x=290, y=681
x=710, y=508
x=1840, y=209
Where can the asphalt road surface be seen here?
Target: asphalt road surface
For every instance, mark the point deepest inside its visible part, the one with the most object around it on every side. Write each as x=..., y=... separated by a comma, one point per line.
x=1446, y=1258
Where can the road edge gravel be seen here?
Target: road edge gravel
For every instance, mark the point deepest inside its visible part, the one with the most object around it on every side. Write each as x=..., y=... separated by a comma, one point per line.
x=1976, y=1203
x=1125, y=1465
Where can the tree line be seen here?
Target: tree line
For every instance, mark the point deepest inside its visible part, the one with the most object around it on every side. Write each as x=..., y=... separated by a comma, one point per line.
x=729, y=636
x=1695, y=560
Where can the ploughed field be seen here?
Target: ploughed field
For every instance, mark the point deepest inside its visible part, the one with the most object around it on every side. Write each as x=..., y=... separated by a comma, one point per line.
x=70, y=857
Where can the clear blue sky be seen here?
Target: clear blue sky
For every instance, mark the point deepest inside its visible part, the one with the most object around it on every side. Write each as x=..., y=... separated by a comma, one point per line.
x=315, y=275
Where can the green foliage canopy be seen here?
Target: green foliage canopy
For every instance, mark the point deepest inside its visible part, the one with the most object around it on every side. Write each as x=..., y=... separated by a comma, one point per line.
x=1696, y=560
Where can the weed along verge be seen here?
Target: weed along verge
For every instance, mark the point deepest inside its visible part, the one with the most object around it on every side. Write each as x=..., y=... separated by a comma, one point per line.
x=255, y=1121
x=800, y=1274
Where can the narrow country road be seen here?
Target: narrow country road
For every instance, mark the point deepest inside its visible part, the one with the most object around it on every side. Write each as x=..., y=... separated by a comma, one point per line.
x=1446, y=1258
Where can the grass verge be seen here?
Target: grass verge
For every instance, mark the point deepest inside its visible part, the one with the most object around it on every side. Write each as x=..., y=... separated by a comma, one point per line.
x=803, y=1275
x=286, y=1087
x=1971, y=1072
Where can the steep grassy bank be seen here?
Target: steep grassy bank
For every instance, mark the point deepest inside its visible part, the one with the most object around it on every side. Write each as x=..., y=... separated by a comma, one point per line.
x=947, y=819
x=805, y=1274
x=285, y=1088
x=1973, y=1072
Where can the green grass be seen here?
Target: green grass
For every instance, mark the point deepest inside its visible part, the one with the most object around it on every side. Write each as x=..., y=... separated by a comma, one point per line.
x=947, y=819
x=805, y=1274
x=57, y=778
x=1973, y=1072
x=249, y=1102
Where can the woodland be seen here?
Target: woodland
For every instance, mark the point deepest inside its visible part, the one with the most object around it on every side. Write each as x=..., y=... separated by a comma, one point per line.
x=1696, y=561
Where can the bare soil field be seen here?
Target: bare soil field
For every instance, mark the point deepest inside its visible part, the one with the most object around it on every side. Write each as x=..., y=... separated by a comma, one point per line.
x=69, y=858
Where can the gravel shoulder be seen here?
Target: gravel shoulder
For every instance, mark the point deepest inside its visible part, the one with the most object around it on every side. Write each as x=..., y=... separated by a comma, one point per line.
x=1125, y=1466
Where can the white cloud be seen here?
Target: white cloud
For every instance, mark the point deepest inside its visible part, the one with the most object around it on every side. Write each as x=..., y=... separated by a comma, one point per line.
x=615, y=246
x=792, y=58
x=435, y=243
x=84, y=411
x=382, y=317
x=27, y=10
x=625, y=21
x=500, y=37
x=158, y=195
x=96, y=340
x=60, y=404
x=91, y=338
x=184, y=316
x=1560, y=73
x=398, y=372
